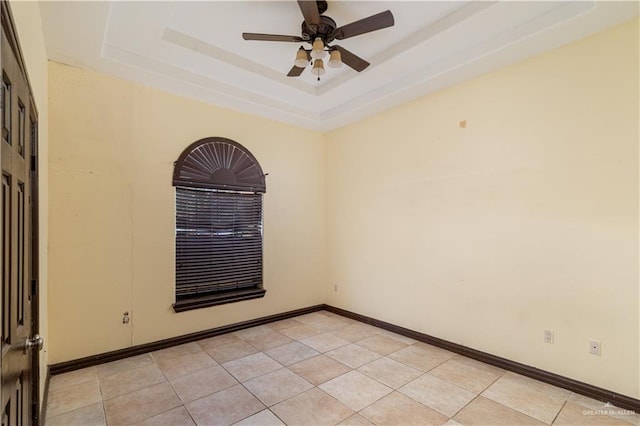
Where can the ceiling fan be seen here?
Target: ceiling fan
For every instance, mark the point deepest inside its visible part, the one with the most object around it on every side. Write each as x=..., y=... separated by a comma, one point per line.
x=319, y=31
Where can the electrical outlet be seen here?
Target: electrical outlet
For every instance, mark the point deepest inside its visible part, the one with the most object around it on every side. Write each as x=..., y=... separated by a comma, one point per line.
x=548, y=336
x=595, y=347
x=335, y=288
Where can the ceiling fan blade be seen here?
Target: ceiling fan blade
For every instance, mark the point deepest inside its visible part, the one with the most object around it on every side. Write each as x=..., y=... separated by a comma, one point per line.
x=372, y=23
x=295, y=71
x=309, y=9
x=352, y=60
x=271, y=37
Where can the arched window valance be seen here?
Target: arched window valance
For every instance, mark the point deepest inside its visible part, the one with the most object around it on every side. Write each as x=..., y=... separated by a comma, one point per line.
x=218, y=163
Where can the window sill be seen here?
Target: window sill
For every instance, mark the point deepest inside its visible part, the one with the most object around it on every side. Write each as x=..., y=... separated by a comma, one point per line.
x=218, y=299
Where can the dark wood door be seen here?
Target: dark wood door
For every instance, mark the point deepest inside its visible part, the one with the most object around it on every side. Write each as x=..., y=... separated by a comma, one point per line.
x=16, y=125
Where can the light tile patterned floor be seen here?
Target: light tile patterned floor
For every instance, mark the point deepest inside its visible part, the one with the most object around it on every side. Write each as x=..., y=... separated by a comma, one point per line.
x=315, y=369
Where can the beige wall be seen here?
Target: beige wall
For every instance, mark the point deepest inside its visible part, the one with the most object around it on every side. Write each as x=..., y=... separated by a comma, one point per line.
x=113, y=144
x=28, y=24
x=524, y=220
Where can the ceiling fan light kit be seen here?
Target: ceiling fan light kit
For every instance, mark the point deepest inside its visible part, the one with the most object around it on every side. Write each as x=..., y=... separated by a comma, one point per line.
x=319, y=31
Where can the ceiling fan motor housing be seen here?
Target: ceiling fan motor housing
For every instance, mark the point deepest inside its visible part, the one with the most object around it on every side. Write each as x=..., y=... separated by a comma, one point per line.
x=323, y=30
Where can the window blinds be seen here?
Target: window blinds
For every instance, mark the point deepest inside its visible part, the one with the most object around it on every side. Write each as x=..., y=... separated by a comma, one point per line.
x=218, y=241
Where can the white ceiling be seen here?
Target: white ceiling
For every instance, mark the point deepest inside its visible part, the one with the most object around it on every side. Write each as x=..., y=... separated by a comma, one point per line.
x=195, y=49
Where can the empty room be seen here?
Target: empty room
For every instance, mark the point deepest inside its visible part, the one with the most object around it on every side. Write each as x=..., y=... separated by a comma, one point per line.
x=320, y=213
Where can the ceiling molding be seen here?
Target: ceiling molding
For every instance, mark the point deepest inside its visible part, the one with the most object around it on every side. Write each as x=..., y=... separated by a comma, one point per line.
x=173, y=46
x=183, y=40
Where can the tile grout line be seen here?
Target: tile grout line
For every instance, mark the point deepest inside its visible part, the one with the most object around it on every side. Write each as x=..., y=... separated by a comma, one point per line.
x=559, y=411
x=183, y=404
x=467, y=404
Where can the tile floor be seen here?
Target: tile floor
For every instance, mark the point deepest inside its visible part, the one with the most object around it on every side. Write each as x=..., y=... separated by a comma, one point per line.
x=315, y=369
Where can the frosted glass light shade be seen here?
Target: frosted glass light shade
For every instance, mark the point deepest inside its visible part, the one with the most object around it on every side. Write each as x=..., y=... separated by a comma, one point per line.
x=317, y=50
x=335, y=59
x=301, y=59
x=318, y=68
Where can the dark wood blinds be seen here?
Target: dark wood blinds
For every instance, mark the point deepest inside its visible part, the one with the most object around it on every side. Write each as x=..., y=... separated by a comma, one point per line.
x=218, y=241
x=219, y=187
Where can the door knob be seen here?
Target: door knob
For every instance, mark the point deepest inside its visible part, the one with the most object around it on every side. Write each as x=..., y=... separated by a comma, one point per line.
x=36, y=342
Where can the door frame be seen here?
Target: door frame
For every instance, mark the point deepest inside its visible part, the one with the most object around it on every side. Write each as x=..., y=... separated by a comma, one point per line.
x=9, y=27
x=34, y=281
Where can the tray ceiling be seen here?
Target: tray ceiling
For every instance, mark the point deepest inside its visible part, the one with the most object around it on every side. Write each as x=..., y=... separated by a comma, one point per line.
x=195, y=49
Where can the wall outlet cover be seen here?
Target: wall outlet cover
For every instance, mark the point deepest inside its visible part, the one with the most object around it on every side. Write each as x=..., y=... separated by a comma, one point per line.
x=595, y=347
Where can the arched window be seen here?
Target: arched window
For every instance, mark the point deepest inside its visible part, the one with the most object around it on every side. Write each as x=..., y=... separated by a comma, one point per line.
x=219, y=187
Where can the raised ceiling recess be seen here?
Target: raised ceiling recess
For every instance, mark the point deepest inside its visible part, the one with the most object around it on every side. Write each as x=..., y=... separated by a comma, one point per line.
x=195, y=49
